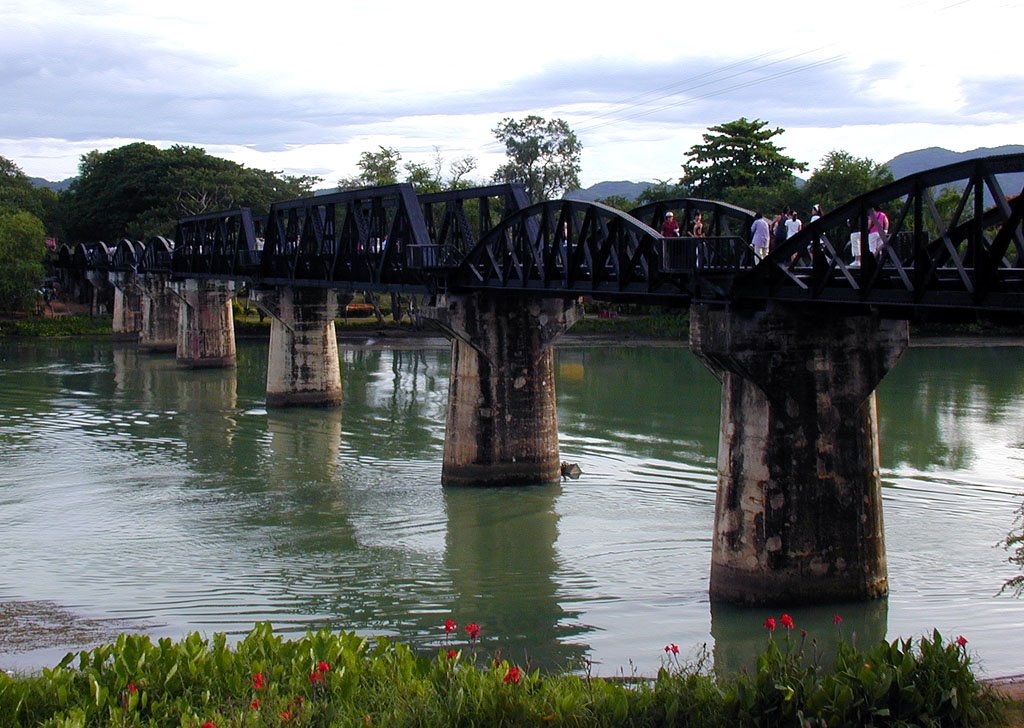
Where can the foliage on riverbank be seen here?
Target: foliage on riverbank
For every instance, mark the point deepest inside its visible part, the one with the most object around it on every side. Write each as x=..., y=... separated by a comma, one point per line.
x=38, y=326
x=341, y=679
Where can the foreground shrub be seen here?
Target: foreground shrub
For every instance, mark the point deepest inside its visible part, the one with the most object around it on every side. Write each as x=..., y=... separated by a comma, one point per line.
x=341, y=679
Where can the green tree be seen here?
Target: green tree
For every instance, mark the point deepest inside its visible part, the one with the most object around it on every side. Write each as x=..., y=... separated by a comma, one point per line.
x=22, y=249
x=542, y=155
x=840, y=177
x=138, y=190
x=18, y=193
x=662, y=190
x=737, y=155
x=376, y=169
x=618, y=202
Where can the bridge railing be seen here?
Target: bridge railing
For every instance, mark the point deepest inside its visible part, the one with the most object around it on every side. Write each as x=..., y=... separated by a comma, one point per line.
x=716, y=253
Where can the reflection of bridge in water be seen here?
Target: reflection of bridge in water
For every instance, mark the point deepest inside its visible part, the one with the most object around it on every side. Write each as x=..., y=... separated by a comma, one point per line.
x=799, y=340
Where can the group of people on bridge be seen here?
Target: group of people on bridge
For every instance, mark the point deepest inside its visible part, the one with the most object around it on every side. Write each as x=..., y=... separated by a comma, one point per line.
x=769, y=233
x=670, y=226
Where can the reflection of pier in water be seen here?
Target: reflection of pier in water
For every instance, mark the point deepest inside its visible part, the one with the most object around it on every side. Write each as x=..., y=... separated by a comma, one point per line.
x=740, y=635
x=501, y=555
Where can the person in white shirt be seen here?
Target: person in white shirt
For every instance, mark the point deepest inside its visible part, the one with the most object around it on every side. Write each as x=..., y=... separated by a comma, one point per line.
x=793, y=225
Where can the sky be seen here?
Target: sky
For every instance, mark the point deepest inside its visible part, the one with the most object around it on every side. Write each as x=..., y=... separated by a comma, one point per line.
x=305, y=88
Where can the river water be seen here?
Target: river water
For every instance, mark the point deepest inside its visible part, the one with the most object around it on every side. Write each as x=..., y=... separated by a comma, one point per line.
x=137, y=496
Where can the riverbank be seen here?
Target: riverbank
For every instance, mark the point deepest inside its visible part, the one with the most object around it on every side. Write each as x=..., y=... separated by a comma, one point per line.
x=620, y=331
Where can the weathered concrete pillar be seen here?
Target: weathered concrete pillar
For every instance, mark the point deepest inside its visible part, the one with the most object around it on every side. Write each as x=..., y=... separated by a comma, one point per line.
x=100, y=291
x=159, y=330
x=502, y=424
x=303, y=368
x=798, y=513
x=127, y=307
x=206, y=324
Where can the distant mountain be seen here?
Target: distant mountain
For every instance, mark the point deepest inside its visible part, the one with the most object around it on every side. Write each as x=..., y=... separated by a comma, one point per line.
x=55, y=186
x=922, y=159
x=629, y=190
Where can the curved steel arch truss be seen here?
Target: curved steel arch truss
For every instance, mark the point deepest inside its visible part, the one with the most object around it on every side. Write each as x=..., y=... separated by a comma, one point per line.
x=954, y=240
x=573, y=247
x=156, y=257
x=720, y=218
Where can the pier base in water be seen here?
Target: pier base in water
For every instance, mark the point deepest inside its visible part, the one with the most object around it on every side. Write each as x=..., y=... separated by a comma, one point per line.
x=206, y=324
x=502, y=426
x=303, y=368
x=798, y=512
x=159, y=331
x=127, y=321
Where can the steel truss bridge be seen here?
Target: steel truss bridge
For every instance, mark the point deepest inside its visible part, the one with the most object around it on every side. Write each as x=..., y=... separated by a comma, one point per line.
x=962, y=257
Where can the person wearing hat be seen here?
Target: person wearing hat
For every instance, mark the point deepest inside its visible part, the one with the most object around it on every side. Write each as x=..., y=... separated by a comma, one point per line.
x=670, y=228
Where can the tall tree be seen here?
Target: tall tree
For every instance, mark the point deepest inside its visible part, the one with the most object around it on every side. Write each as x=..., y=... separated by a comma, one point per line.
x=662, y=190
x=376, y=169
x=18, y=193
x=138, y=190
x=841, y=177
x=737, y=154
x=22, y=249
x=543, y=155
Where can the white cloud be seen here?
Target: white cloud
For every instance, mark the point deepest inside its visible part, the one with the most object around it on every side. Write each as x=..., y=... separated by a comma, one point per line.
x=306, y=88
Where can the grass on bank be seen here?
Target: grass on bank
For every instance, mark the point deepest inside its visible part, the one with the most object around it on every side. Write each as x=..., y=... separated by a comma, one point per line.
x=341, y=679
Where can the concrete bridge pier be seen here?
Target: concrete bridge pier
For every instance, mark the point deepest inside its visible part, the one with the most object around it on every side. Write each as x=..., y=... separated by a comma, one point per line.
x=159, y=332
x=127, y=321
x=502, y=426
x=303, y=368
x=206, y=324
x=798, y=512
x=100, y=292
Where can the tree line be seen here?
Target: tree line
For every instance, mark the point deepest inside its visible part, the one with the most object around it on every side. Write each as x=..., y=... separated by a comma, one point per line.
x=138, y=190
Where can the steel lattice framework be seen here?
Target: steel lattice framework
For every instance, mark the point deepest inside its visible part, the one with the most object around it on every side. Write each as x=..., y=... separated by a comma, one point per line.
x=954, y=241
x=589, y=248
x=966, y=255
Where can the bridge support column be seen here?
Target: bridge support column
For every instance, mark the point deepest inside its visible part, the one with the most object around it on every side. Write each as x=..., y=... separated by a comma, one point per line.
x=303, y=368
x=159, y=330
x=127, y=321
x=798, y=513
x=502, y=424
x=206, y=324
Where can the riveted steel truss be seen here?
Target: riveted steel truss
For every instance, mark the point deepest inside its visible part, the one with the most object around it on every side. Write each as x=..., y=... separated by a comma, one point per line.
x=953, y=240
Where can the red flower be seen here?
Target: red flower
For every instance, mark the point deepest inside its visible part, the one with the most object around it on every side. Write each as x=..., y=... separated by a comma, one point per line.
x=323, y=666
x=513, y=675
x=286, y=715
x=209, y=724
x=452, y=654
x=769, y=624
x=316, y=677
x=673, y=648
x=132, y=688
x=449, y=626
x=255, y=704
x=786, y=621
x=837, y=620
x=473, y=630
x=962, y=641
x=258, y=681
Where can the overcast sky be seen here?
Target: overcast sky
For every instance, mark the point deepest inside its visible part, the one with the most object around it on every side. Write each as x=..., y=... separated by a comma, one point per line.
x=305, y=87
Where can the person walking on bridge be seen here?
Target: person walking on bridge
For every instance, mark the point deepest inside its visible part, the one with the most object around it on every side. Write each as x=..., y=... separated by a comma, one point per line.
x=670, y=228
x=760, y=235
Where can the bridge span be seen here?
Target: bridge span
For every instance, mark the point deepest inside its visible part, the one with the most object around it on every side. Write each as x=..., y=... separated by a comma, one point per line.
x=799, y=339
